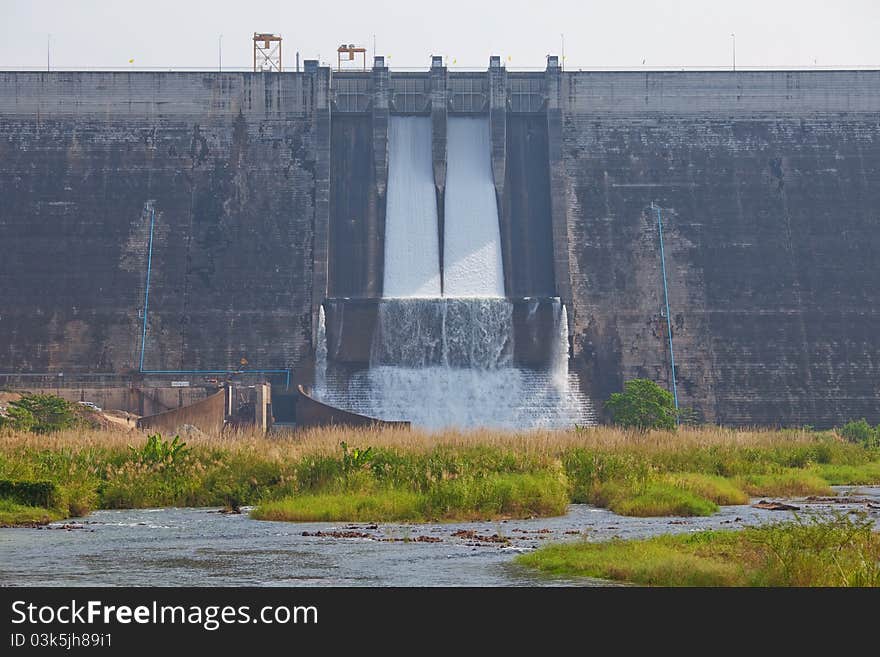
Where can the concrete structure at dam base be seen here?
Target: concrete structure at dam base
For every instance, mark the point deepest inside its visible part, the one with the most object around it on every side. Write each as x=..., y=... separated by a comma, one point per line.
x=157, y=227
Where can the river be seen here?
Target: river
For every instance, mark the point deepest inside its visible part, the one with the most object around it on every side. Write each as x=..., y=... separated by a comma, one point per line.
x=202, y=547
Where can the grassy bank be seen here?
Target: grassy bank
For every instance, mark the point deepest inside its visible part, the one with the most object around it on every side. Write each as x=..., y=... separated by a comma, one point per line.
x=836, y=551
x=391, y=474
x=13, y=514
x=469, y=498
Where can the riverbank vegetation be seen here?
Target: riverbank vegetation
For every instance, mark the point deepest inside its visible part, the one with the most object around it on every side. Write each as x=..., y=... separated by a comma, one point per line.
x=839, y=550
x=394, y=474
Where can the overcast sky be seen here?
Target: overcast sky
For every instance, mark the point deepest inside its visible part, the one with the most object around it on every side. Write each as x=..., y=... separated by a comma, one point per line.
x=624, y=33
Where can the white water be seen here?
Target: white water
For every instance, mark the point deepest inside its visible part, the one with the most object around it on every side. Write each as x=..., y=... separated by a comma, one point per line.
x=412, y=245
x=472, y=265
x=321, y=352
x=449, y=363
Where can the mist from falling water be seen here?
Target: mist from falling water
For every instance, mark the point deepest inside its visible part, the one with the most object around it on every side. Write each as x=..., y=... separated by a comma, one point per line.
x=449, y=363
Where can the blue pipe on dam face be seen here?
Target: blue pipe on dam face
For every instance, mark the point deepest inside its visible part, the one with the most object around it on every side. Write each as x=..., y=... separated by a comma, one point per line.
x=666, y=301
x=147, y=285
x=144, y=330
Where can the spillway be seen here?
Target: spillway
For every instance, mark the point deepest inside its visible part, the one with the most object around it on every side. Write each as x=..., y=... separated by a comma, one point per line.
x=472, y=265
x=412, y=245
x=449, y=363
x=443, y=354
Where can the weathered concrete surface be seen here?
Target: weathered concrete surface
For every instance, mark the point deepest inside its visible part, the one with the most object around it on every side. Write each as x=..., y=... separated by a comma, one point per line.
x=232, y=165
x=312, y=413
x=768, y=189
x=142, y=401
x=207, y=414
x=356, y=252
x=767, y=184
x=526, y=222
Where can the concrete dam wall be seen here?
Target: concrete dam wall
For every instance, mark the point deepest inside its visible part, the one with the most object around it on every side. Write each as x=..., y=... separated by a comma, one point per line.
x=769, y=188
x=227, y=170
x=266, y=195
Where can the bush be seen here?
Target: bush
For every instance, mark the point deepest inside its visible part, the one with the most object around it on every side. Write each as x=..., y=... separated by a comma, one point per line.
x=161, y=452
x=642, y=405
x=861, y=433
x=41, y=413
x=29, y=493
x=17, y=418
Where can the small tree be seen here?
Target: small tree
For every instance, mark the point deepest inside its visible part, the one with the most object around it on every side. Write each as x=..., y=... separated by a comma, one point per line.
x=861, y=433
x=49, y=413
x=642, y=405
x=17, y=418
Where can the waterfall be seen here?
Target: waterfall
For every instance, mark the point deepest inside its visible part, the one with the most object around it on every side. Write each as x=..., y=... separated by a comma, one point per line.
x=560, y=351
x=449, y=361
x=455, y=333
x=412, y=245
x=472, y=265
x=320, y=356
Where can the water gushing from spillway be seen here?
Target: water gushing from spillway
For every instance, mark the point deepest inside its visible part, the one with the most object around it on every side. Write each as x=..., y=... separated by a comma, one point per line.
x=472, y=265
x=449, y=360
x=450, y=363
x=321, y=352
x=412, y=244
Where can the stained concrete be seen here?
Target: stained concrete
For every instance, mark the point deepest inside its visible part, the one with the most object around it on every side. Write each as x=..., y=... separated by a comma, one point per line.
x=766, y=183
x=231, y=163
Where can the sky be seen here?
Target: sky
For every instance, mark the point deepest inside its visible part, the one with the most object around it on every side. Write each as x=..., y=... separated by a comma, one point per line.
x=613, y=33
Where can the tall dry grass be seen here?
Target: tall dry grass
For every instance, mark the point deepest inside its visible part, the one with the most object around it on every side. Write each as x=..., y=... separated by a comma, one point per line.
x=601, y=465
x=325, y=440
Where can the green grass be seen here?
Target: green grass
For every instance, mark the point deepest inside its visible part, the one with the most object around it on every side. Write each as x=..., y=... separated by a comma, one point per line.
x=835, y=551
x=455, y=475
x=789, y=483
x=657, y=499
x=864, y=474
x=494, y=496
x=356, y=507
x=714, y=488
x=12, y=513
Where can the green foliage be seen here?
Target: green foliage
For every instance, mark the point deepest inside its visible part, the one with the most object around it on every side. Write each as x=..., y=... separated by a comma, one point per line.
x=656, y=499
x=29, y=493
x=40, y=414
x=18, y=418
x=355, y=507
x=638, y=474
x=158, y=451
x=642, y=405
x=841, y=550
x=473, y=498
x=842, y=474
x=355, y=459
x=836, y=550
x=861, y=433
x=12, y=513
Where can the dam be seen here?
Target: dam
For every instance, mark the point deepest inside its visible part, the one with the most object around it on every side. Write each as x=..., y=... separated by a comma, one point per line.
x=410, y=242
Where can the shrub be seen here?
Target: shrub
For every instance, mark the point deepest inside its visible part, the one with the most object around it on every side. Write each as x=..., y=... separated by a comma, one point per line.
x=861, y=433
x=642, y=405
x=18, y=418
x=157, y=451
x=42, y=413
x=29, y=493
